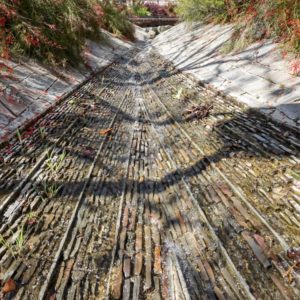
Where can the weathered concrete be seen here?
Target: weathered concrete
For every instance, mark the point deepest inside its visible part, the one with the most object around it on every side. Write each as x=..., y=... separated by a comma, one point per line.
x=27, y=89
x=140, y=34
x=257, y=76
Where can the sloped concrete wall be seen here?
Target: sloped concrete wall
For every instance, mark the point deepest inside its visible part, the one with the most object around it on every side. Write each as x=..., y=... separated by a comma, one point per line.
x=27, y=89
x=257, y=75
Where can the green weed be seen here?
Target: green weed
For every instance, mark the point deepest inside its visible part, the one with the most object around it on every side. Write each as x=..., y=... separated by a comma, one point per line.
x=54, y=162
x=50, y=191
x=19, y=136
x=184, y=94
x=116, y=22
x=178, y=94
x=42, y=132
x=14, y=248
x=20, y=240
x=140, y=10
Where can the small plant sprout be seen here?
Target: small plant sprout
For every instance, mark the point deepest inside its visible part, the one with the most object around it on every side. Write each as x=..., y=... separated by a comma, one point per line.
x=20, y=240
x=178, y=94
x=17, y=244
x=18, y=133
x=54, y=162
x=72, y=102
x=50, y=190
x=42, y=131
x=49, y=161
x=61, y=158
x=53, y=190
x=183, y=94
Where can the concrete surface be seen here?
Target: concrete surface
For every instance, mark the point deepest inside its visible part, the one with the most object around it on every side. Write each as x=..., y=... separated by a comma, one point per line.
x=140, y=34
x=257, y=75
x=27, y=89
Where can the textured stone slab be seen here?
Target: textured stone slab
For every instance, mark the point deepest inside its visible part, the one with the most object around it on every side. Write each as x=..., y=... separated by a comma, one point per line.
x=5, y=116
x=20, y=73
x=58, y=88
x=39, y=82
x=12, y=100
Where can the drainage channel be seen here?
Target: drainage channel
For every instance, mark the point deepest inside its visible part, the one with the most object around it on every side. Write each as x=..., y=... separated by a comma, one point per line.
x=119, y=193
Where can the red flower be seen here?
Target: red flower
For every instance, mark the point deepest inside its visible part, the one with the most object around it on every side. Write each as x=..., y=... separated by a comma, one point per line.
x=5, y=53
x=284, y=54
x=9, y=39
x=98, y=10
x=2, y=21
x=295, y=67
x=31, y=40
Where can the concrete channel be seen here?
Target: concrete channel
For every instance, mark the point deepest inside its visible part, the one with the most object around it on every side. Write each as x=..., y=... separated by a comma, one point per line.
x=122, y=192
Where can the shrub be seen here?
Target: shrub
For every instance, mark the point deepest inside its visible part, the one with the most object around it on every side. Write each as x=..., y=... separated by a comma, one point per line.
x=199, y=10
x=279, y=19
x=53, y=30
x=116, y=21
x=171, y=10
x=140, y=10
x=156, y=10
x=49, y=30
x=146, y=9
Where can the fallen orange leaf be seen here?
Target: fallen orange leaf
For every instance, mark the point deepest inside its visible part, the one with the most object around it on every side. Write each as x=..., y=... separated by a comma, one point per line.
x=105, y=131
x=9, y=286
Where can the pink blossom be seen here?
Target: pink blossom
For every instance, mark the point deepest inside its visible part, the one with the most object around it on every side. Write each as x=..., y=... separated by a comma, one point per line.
x=295, y=67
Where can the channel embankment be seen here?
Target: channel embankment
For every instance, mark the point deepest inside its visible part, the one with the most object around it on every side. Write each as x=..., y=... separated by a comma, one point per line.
x=257, y=75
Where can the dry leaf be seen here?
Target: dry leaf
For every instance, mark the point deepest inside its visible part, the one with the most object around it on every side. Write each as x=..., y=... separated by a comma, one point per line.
x=157, y=260
x=52, y=297
x=9, y=286
x=294, y=255
x=198, y=112
x=105, y=131
x=89, y=152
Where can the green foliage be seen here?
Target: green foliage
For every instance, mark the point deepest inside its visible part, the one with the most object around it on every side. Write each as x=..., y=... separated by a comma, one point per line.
x=50, y=191
x=54, y=161
x=199, y=10
x=17, y=246
x=55, y=31
x=52, y=30
x=254, y=19
x=140, y=10
x=116, y=21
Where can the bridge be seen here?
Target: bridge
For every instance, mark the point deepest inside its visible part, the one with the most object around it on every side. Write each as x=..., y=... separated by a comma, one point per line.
x=154, y=21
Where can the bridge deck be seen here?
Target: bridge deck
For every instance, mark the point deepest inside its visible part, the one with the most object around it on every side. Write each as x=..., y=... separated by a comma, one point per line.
x=154, y=21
